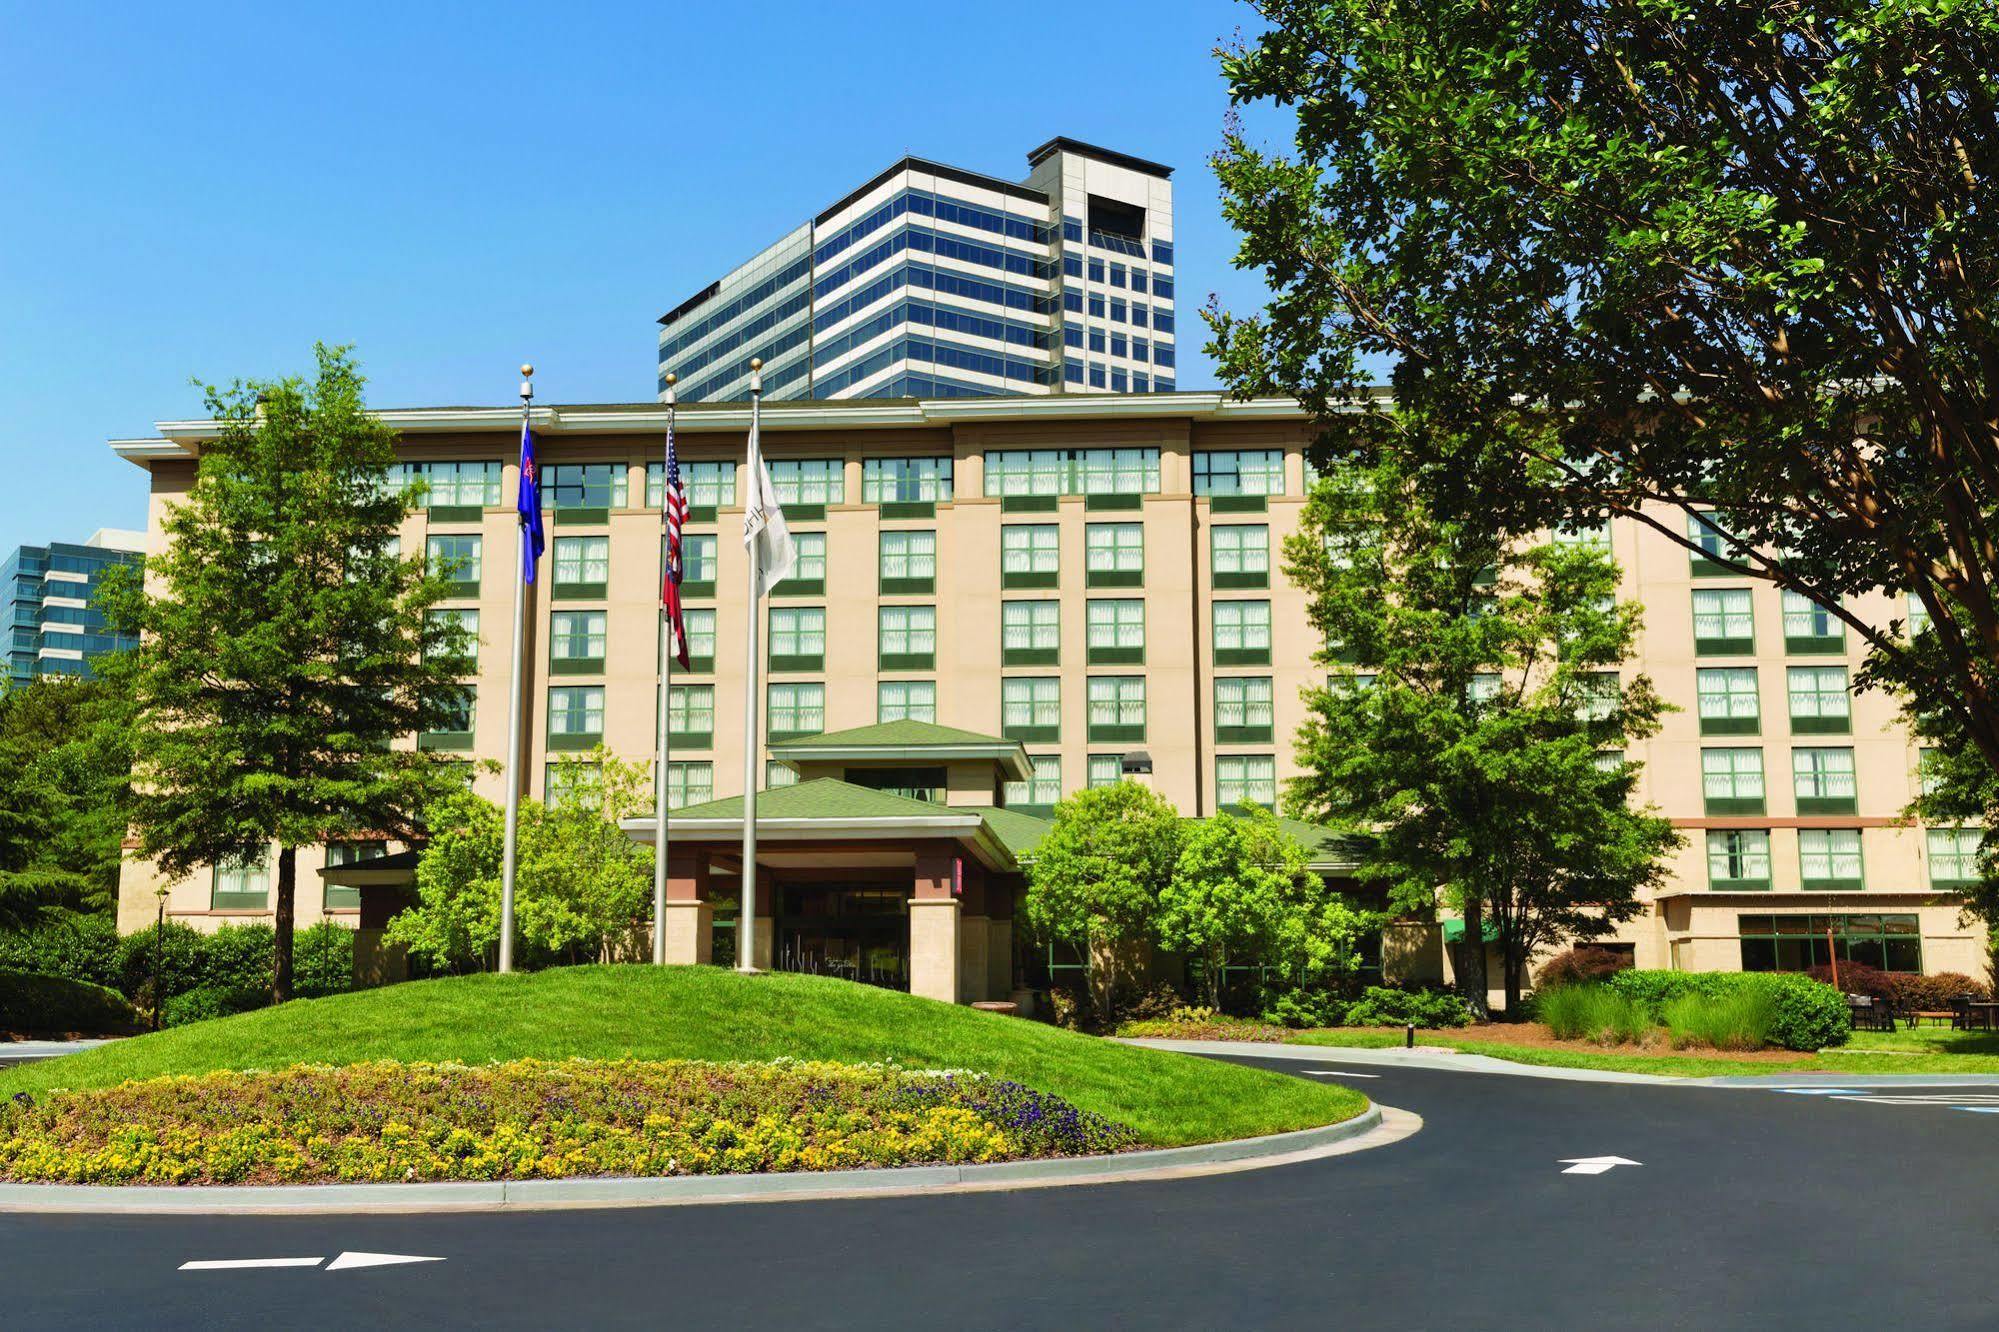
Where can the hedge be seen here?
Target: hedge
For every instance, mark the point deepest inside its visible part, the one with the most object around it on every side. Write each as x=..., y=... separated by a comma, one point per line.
x=1810, y=1016
x=79, y=948
x=33, y=1005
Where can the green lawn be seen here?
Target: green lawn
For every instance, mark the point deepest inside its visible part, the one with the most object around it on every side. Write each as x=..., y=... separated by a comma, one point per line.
x=646, y=1012
x=1928, y=1050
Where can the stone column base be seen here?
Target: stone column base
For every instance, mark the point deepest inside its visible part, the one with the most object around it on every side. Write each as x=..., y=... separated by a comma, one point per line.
x=933, y=948
x=690, y=938
x=999, y=959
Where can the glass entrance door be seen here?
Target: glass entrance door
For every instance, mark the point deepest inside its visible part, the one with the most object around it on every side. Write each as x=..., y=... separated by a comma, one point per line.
x=854, y=933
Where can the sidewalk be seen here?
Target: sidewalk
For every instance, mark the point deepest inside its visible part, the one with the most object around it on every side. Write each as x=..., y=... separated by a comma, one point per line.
x=22, y=1052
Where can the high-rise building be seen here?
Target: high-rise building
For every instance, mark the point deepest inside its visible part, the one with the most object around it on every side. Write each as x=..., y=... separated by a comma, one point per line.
x=52, y=627
x=930, y=281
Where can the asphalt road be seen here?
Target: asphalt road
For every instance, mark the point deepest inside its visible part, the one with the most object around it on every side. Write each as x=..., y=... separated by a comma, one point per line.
x=1751, y=1208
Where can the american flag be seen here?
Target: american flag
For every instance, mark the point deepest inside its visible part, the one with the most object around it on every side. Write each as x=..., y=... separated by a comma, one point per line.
x=675, y=508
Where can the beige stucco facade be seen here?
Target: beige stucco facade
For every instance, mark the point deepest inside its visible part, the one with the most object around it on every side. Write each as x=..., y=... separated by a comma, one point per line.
x=1691, y=924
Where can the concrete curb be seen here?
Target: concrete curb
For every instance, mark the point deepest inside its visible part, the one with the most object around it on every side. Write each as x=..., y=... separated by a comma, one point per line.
x=1377, y=1126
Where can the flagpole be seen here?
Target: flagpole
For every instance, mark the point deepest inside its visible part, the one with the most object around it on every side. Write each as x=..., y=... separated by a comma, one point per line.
x=511, y=843
x=746, y=960
x=665, y=695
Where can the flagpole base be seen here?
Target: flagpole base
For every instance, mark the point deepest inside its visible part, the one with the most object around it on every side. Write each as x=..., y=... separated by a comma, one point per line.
x=749, y=971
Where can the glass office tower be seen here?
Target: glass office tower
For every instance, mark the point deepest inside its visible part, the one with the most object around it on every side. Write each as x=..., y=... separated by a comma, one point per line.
x=46, y=598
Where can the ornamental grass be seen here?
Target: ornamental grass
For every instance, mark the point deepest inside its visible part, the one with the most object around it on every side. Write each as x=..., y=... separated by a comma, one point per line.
x=535, y=1119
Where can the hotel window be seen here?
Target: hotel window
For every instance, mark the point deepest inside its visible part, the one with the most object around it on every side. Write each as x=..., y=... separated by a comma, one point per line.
x=456, y=485
x=795, y=709
x=1116, y=631
x=1738, y=859
x=575, y=716
x=1245, y=779
x=710, y=485
x=461, y=625
x=1732, y=780
x=689, y=784
x=1013, y=472
x=697, y=564
x=908, y=638
x=1596, y=535
x=1114, y=554
x=906, y=480
x=1929, y=770
x=1242, y=633
x=454, y=728
x=797, y=638
x=1105, y=770
x=241, y=887
x=804, y=482
x=808, y=575
x=582, y=566
x=908, y=562
x=571, y=783
x=335, y=897
x=1810, y=627
x=455, y=559
x=1239, y=472
x=778, y=774
x=576, y=642
x=1798, y=942
x=1729, y=703
x=1820, y=703
x=1117, y=472
x=906, y=700
x=1597, y=695
x=1240, y=556
x=1712, y=545
x=1040, y=791
x=1484, y=687
x=700, y=624
x=690, y=714
x=583, y=491
x=1030, y=555
x=1723, y=622
x=1823, y=780
x=1954, y=857
x=1830, y=858
x=1031, y=708
x=1919, y=614
x=1030, y=633
x=1243, y=709
x=1117, y=707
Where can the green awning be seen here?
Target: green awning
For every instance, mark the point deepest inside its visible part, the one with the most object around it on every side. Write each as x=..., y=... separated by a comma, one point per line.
x=1454, y=931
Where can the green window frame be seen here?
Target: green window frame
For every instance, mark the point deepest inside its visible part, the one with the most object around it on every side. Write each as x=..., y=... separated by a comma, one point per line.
x=573, y=782
x=779, y=773
x=1239, y=555
x=1730, y=701
x=698, y=555
x=805, y=486
x=1916, y=614
x=907, y=638
x=700, y=623
x=575, y=716
x=797, y=638
x=1953, y=855
x=1113, y=554
x=690, y=782
x=456, y=558
x=1115, y=631
x=454, y=733
x=1724, y=622
x=454, y=491
x=460, y=622
x=1732, y=781
x=808, y=576
x=1245, y=709
x=906, y=481
x=584, y=492
x=710, y=486
x=1026, y=479
x=1824, y=780
x=1030, y=633
x=241, y=886
x=1821, y=700
x=1229, y=474
x=582, y=568
x=1829, y=859
x=1242, y=633
x=1030, y=479
x=690, y=715
x=1030, y=555
x=1244, y=779
x=1809, y=627
x=1117, y=707
x=339, y=897
x=1121, y=472
x=1104, y=770
x=1040, y=792
x=1713, y=547
x=1738, y=859
x=794, y=709
x=908, y=562
x=1031, y=707
x=1798, y=942
x=906, y=700
x=1595, y=535
x=576, y=642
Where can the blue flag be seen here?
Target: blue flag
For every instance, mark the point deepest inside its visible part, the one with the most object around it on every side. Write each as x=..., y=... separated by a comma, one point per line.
x=529, y=506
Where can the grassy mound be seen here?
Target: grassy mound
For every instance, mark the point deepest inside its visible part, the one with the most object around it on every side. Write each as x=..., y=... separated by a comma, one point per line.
x=652, y=1013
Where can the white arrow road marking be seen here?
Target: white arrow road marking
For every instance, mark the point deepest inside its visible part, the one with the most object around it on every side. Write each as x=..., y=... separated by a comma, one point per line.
x=1819, y=1091
x=1594, y=1165
x=1338, y=1073
x=221, y=1264
x=347, y=1260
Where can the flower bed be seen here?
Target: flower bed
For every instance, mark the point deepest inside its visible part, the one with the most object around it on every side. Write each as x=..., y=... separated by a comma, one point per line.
x=532, y=1119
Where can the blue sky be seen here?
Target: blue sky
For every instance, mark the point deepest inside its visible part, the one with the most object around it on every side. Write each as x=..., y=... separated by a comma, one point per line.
x=203, y=190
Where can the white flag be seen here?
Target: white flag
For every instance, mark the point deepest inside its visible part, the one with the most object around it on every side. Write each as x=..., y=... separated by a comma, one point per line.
x=763, y=525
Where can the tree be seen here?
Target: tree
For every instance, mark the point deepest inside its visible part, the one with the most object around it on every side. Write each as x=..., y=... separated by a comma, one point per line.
x=65, y=756
x=1746, y=253
x=582, y=892
x=1098, y=875
x=285, y=644
x=1242, y=894
x=1469, y=741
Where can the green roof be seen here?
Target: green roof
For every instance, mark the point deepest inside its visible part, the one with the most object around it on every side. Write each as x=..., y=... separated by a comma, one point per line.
x=1020, y=832
x=820, y=798
x=893, y=735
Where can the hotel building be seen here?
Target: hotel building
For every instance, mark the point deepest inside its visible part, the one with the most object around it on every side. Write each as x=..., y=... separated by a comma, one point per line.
x=1002, y=600
x=929, y=281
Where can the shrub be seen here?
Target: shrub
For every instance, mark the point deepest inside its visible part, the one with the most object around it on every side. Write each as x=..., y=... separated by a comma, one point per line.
x=1592, y=1012
x=323, y=961
x=1809, y=1016
x=1150, y=1004
x=212, y=1001
x=76, y=947
x=182, y=962
x=1063, y=1010
x=1300, y=1006
x=1857, y=978
x=1381, y=1006
x=240, y=957
x=41, y=1005
x=1934, y=994
x=1739, y=1021
x=1579, y=965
